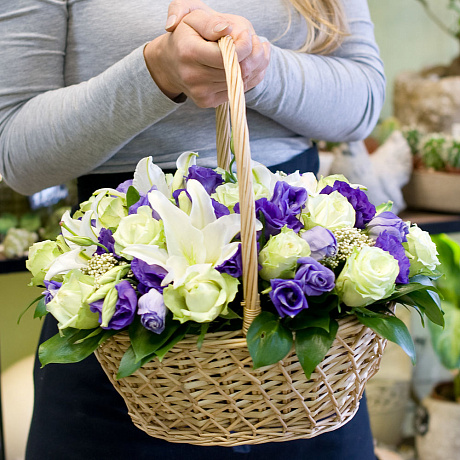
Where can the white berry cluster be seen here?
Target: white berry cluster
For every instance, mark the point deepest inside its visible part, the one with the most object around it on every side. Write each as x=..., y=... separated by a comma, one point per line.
x=100, y=264
x=347, y=238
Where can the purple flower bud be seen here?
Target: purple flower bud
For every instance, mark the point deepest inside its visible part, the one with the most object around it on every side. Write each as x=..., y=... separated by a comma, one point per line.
x=125, y=307
x=232, y=266
x=149, y=276
x=51, y=290
x=391, y=243
x=389, y=222
x=316, y=278
x=364, y=209
x=124, y=186
x=287, y=297
x=153, y=311
x=322, y=242
x=207, y=177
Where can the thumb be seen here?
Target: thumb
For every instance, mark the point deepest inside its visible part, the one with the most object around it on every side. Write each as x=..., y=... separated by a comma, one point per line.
x=179, y=8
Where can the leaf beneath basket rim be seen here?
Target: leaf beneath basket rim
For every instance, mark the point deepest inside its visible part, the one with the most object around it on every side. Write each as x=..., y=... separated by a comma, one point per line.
x=312, y=345
x=268, y=340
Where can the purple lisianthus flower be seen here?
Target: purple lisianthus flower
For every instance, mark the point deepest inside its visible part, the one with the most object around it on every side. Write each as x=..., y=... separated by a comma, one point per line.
x=125, y=308
x=144, y=201
x=219, y=208
x=391, y=243
x=124, y=186
x=389, y=222
x=288, y=297
x=51, y=290
x=149, y=276
x=316, y=278
x=275, y=218
x=207, y=177
x=322, y=242
x=106, y=238
x=288, y=198
x=152, y=311
x=364, y=209
x=232, y=266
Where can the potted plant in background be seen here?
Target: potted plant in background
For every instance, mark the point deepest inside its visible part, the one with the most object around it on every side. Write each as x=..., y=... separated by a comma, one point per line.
x=434, y=184
x=439, y=414
x=431, y=98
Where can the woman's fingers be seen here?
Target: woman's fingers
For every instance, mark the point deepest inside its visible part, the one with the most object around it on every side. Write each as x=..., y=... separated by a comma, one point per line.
x=179, y=8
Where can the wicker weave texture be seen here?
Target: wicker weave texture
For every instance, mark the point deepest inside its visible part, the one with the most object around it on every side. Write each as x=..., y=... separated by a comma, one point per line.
x=213, y=396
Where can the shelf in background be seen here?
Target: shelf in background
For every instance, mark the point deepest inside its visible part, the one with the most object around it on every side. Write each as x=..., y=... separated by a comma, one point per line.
x=433, y=222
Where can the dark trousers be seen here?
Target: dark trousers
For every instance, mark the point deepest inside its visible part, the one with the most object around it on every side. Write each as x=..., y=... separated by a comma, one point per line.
x=78, y=415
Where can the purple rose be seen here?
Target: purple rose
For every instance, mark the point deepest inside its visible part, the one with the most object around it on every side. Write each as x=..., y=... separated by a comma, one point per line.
x=124, y=186
x=389, y=222
x=207, y=177
x=275, y=218
x=289, y=199
x=152, y=311
x=51, y=290
x=232, y=266
x=125, y=308
x=149, y=276
x=322, y=242
x=316, y=279
x=391, y=243
x=287, y=297
x=219, y=209
x=106, y=238
x=364, y=209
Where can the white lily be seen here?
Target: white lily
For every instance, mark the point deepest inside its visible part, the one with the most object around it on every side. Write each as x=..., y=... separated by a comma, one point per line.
x=66, y=262
x=80, y=227
x=148, y=174
x=198, y=238
x=262, y=175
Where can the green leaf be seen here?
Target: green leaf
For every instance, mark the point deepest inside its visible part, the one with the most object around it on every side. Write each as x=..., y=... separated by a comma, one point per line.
x=204, y=329
x=404, y=289
x=230, y=314
x=428, y=304
x=446, y=342
x=129, y=364
x=312, y=345
x=146, y=342
x=268, y=340
x=40, y=309
x=306, y=319
x=41, y=296
x=69, y=348
x=132, y=196
x=177, y=337
x=393, y=329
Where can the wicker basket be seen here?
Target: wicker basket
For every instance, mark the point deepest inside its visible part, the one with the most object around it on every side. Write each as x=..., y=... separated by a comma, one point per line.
x=212, y=396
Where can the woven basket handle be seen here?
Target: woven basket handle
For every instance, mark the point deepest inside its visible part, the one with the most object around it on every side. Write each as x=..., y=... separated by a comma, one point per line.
x=237, y=104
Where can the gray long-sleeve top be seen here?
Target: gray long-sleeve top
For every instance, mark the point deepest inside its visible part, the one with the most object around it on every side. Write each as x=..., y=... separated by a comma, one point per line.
x=76, y=96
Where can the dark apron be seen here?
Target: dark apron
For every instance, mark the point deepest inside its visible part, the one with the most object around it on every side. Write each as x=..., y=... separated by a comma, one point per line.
x=78, y=415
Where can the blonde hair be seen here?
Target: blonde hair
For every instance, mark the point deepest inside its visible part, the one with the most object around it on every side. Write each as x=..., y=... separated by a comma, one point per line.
x=327, y=24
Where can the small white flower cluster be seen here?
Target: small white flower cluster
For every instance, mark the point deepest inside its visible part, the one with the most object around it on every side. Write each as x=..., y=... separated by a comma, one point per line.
x=348, y=238
x=100, y=264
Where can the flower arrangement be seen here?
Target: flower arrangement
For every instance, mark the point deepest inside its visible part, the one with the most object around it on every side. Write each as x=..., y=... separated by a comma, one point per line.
x=160, y=258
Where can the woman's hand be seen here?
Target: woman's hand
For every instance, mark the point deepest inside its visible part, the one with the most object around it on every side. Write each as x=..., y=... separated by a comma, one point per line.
x=188, y=60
